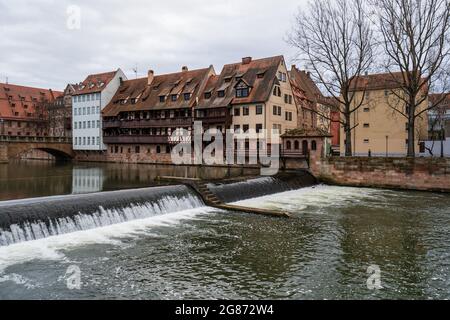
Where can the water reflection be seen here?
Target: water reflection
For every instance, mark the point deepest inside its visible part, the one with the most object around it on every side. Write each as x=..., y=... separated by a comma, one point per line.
x=86, y=180
x=36, y=178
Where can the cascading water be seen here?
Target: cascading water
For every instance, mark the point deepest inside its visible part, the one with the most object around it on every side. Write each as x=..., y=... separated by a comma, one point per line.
x=25, y=220
x=258, y=187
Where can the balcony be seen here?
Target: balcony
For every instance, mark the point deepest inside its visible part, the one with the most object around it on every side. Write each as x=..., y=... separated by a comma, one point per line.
x=215, y=119
x=136, y=139
x=148, y=123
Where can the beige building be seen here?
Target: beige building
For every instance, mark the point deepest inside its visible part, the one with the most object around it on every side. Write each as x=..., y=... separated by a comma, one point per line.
x=378, y=127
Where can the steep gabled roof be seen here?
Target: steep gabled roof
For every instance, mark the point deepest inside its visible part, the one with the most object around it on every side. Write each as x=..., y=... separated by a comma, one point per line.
x=20, y=101
x=259, y=75
x=302, y=81
x=378, y=81
x=138, y=95
x=94, y=83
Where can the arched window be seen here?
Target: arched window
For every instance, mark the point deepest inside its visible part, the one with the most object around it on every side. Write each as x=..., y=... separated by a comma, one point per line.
x=288, y=145
x=314, y=145
x=305, y=147
x=296, y=145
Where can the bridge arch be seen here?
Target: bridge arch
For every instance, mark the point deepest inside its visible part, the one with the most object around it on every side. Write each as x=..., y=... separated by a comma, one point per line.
x=60, y=150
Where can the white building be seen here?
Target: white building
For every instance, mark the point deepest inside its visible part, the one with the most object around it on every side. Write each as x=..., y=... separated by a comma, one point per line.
x=89, y=99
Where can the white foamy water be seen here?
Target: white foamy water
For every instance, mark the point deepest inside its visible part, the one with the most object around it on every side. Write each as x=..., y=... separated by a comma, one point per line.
x=103, y=217
x=51, y=248
x=317, y=196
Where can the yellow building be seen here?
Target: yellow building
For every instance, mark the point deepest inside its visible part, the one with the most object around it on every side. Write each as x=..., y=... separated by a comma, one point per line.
x=378, y=127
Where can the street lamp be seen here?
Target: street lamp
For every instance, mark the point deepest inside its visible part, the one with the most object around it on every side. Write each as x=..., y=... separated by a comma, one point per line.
x=387, y=146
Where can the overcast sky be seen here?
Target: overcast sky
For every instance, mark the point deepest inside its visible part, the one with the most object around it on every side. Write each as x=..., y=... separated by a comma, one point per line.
x=41, y=44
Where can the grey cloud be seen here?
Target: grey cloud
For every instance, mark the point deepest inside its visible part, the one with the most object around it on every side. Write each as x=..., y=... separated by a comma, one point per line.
x=38, y=49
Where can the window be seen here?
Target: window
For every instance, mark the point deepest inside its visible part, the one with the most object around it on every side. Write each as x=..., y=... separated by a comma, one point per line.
x=221, y=93
x=158, y=149
x=88, y=97
x=93, y=110
x=277, y=91
x=366, y=109
x=245, y=111
x=286, y=98
x=288, y=145
x=137, y=149
x=98, y=141
x=75, y=125
x=366, y=125
x=259, y=109
x=98, y=109
x=245, y=127
x=259, y=127
x=89, y=124
x=207, y=95
x=84, y=124
x=288, y=116
x=314, y=145
x=237, y=112
x=173, y=97
x=279, y=111
x=386, y=93
x=75, y=111
x=366, y=141
x=296, y=145
x=275, y=110
x=237, y=128
x=89, y=141
x=98, y=123
x=242, y=92
x=187, y=96
x=162, y=98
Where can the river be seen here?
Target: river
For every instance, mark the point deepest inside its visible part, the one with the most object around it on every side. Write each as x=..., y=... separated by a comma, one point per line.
x=323, y=252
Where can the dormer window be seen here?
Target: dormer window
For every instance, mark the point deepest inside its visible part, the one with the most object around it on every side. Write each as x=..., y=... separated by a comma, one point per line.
x=221, y=93
x=187, y=96
x=242, y=92
x=173, y=97
x=133, y=101
x=227, y=79
x=207, y=95
x=260, y=75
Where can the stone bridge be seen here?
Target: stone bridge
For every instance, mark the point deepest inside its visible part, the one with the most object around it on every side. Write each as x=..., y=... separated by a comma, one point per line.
x=13, y=146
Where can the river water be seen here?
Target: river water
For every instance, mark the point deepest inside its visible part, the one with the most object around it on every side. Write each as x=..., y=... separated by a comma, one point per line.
x=323, y=252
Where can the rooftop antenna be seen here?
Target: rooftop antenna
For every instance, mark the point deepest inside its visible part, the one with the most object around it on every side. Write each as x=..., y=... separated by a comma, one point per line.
x=135, y=70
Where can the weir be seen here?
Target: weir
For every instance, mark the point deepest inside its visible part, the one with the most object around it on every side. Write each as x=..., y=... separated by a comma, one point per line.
x=37, y=218
x=31, y=219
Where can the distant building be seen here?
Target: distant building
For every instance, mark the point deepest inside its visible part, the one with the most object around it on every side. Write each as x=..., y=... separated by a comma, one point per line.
x=88, y=100
x=254, y=94
x=379, y=128
x=24, y=110
x=249, y=95
x=60, y=114
x=142, y=115
x=439, y=126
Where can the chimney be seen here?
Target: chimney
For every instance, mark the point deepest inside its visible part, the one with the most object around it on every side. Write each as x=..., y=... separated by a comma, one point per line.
x=293, y=67
x=120, y=80
x=150, y=76
x=184, y=68
x=246, y=60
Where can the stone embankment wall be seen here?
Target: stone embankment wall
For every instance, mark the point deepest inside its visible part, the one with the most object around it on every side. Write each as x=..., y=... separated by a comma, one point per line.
x=430, y=174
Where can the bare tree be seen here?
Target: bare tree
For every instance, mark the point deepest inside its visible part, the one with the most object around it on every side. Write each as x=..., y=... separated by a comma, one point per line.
x=335, y=38
x=415, y=37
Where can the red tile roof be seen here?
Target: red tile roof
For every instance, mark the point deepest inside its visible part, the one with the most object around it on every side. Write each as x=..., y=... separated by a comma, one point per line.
x=138, y=95
x=378, y=81
x=301, y=80
x=94, y=83
x=260, y=75
x=20, y=102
